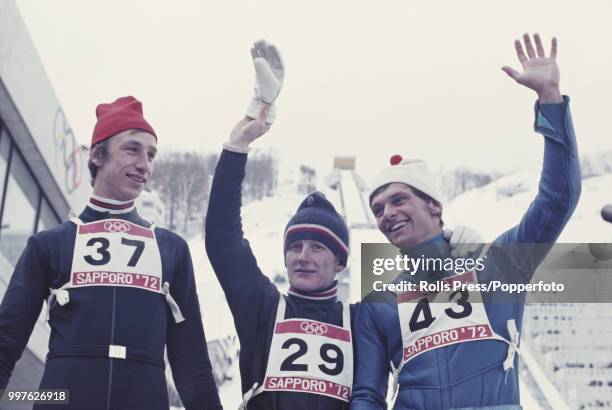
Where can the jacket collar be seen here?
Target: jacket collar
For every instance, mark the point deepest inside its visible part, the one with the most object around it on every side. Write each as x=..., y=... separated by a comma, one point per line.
x=90, y=214
x=435, y=247
x=326, y=294
x=112, y=206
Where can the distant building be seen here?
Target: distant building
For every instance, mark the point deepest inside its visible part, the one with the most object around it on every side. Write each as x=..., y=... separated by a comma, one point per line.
x=43, y=172
x=43, y=169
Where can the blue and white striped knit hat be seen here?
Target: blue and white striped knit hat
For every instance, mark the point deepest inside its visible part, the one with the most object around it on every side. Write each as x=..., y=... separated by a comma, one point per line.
x=317, y=219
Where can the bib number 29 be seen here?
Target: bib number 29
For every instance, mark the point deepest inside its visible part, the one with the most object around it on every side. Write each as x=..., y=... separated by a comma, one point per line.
x=102, y=255
x=331, y=354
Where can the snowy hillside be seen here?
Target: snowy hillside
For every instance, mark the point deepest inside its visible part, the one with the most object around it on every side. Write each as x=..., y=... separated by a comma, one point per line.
x=492, y=209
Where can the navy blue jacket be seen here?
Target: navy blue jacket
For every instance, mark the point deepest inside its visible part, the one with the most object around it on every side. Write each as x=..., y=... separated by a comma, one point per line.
x=251, y=296
x=471, y=374
x=97, y=317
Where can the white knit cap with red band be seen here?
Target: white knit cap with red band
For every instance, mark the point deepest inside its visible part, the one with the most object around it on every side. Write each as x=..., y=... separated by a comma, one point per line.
x=412, y=172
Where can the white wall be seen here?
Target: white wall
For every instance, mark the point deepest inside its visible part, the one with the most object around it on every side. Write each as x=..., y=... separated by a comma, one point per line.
x=37, y=111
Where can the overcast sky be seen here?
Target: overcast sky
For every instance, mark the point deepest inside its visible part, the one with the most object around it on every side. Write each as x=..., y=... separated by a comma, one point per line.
x=363, y=78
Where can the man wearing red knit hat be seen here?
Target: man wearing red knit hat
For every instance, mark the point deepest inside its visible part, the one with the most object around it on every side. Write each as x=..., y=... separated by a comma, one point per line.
x=119, y=290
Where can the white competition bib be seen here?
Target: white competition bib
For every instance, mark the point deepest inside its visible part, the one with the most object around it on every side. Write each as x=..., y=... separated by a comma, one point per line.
x=115, y=252
x=450, y=317
x=308, y=356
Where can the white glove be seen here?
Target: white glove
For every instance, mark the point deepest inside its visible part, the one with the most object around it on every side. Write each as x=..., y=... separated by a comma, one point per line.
x=463, y=240
x=269, y=74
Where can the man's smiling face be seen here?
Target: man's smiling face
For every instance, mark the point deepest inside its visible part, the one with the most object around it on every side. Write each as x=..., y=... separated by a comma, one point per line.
x=403, y=217
x=127, y=167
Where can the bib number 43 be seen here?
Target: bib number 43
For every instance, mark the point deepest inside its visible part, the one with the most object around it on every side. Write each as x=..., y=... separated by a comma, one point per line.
x=422, y=317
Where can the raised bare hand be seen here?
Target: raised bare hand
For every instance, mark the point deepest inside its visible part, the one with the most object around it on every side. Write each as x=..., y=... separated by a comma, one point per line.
x=540, y=73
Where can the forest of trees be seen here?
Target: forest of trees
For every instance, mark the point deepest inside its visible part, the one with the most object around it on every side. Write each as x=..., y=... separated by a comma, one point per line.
x=182, y=181
x=459, y=180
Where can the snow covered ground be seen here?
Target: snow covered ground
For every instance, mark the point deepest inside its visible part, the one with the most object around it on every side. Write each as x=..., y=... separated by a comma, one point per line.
x=491, y=213
x=488, y=209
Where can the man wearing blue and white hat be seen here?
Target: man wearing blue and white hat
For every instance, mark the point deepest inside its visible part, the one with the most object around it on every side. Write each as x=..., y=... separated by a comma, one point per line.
x=455, y=353
x=296, y=350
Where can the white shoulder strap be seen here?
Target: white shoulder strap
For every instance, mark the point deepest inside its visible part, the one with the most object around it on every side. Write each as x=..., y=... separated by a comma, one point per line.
x=484, y=251
x=280, y=310
x=346, y=316
x=253, y=391
x=75, y=219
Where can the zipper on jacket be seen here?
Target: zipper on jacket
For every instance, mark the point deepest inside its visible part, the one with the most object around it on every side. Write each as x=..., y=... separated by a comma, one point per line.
x=445, y=396
x=111, y=360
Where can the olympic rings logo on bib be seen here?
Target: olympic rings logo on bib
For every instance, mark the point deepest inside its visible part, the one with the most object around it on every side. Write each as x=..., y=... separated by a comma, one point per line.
x=117, y=226
x=313, y=328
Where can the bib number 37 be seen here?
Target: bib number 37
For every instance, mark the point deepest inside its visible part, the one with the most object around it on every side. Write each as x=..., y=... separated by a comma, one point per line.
x=102, y=255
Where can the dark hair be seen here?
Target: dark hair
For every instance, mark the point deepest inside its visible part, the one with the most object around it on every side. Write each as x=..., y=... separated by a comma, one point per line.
x=415, y=191
x=99, y=150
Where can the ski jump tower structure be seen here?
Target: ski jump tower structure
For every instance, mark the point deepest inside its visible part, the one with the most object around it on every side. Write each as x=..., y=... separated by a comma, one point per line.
x=349, y=193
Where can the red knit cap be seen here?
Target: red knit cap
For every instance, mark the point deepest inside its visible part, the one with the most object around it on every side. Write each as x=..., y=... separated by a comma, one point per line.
x=123, y=114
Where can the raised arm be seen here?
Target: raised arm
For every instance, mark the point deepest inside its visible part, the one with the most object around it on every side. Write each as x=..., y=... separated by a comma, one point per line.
x=560, y=180
x=246, y=288
x=230, y=254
